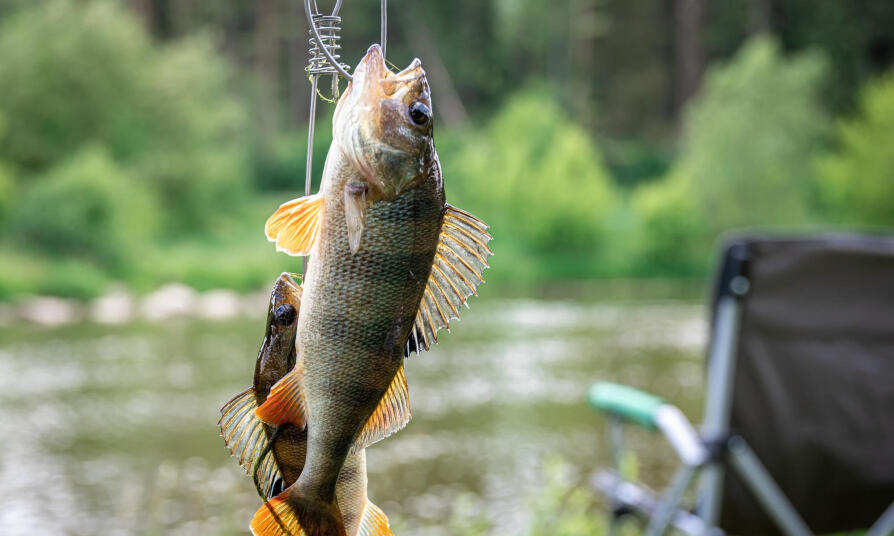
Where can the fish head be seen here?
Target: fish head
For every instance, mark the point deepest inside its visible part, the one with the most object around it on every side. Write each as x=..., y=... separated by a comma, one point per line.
x=277, y=355
x=383, y=123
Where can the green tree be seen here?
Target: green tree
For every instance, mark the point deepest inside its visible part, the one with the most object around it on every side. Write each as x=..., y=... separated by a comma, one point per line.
x=857, y=181
x=538, y=180
x=751, y=135
x=76, y=73
x=749, y=141
x=88, y=208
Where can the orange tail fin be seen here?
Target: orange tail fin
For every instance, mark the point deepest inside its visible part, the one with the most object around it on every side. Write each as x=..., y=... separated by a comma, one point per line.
x=295, y=226
x=285, y=403
x=286, y=515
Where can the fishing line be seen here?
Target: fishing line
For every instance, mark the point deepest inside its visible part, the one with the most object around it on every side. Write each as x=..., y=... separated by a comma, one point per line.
x=323, y=59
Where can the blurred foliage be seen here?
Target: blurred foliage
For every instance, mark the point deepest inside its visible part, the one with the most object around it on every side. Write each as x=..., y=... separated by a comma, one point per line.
x=163, y=113
x=857, y=181
x=546, y=193
x=750, y=138
x=565, y=507
x=147, y=142
x=86, y=207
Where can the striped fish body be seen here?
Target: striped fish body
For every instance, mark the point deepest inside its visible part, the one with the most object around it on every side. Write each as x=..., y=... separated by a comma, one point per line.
x=246, y=435
x=389, y=258
x=358, y=312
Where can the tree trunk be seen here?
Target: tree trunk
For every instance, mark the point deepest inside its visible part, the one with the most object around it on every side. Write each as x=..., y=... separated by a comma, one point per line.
x=449, y=104
x=689, y=54
x=267, y=17
x=299, y=87
x=760, y=16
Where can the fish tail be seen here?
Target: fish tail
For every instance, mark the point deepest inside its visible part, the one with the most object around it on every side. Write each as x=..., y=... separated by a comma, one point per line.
x=289, y=514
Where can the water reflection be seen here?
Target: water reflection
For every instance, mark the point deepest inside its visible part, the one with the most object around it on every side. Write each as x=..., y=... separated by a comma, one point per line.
x=112, y=429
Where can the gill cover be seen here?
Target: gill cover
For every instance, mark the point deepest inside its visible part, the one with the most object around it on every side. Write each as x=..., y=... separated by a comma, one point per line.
x=374, y=130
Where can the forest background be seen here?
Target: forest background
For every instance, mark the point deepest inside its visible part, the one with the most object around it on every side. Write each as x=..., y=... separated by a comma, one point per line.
x=144, y=142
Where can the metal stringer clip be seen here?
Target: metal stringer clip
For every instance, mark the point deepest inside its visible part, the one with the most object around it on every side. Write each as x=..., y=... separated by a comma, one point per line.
x=323, y=59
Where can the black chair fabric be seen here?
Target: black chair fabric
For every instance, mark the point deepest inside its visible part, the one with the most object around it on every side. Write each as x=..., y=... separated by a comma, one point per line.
x=814, y=383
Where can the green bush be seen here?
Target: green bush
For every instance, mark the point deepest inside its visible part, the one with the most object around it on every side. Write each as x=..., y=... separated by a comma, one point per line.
x=750, y=138
x=857, y=181
x=670, y=233
x=73, y=73
x=88, y=208
x=279, y=164
x=538, y=180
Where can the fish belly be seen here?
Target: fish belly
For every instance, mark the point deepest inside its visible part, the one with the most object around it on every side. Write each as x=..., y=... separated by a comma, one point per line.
x=356, y=314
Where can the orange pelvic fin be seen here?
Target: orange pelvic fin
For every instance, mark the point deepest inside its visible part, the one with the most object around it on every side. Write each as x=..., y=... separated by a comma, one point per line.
x=295, y=226
x=392, y=413
x=286, y=515
x=374, y=522
x=285, y=403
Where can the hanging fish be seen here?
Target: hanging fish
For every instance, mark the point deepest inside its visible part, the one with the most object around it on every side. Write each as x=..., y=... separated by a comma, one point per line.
x=391, y=264
x=246, y=436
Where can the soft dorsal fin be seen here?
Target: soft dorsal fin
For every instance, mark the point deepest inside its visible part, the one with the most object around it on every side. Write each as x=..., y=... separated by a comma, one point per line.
x=460, y=260
x=295, y=226
x=374, y=522
x=392, y=413
x=285, y=403
x=244, y=436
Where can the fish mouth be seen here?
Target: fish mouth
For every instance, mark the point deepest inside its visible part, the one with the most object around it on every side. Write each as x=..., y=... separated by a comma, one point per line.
x=358, y=121
x=285, y=281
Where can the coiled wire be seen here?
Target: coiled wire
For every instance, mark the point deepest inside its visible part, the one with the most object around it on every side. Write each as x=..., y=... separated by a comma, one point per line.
x=328, y=28
x=324, y=44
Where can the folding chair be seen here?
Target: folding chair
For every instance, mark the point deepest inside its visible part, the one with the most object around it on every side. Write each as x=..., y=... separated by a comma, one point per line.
x=798, y=434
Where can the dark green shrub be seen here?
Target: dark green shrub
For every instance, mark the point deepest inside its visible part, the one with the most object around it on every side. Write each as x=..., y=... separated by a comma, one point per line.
x=857, y=181
x=86, y=72
x=88, y=208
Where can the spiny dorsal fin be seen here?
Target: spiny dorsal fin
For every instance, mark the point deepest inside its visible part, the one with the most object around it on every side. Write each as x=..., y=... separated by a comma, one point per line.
x=460, y=260
x=244, y=436
x=374, y=522
x=295, y=226
x=242, y=432
x=285, y=403
x=392, y=413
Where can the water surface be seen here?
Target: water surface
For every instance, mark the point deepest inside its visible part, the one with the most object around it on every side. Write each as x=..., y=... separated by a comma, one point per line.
x=112, y=430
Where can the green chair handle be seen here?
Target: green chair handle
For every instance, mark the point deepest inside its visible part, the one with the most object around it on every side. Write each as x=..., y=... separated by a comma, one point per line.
x=628, y=403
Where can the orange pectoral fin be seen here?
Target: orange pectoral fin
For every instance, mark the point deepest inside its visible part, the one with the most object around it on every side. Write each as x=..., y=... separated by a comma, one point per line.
x=285, y=403
x=295, y=226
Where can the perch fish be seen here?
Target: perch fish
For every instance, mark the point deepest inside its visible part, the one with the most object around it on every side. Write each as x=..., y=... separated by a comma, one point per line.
x=246, y=436
x=391, y=264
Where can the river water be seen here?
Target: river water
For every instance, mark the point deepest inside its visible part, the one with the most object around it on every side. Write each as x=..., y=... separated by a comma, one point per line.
x=112, y=430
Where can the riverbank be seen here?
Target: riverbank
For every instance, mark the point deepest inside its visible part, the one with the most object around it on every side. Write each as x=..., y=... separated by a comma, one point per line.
x=120, y=306
x=176, y=300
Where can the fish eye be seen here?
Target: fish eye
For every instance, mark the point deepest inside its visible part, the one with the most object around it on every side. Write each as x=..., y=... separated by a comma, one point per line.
x=419, y=113
x=285, y=314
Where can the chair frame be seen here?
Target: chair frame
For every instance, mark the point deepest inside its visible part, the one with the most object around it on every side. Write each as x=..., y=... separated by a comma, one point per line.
x=701, y=454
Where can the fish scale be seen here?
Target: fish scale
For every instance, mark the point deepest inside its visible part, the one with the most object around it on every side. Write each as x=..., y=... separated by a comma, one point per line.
x=389, y=258
x=360, y=306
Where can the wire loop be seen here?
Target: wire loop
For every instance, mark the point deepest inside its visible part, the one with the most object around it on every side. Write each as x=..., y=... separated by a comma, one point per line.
x=330, y=25
x=329, y=30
